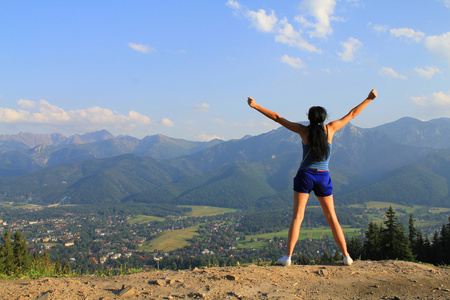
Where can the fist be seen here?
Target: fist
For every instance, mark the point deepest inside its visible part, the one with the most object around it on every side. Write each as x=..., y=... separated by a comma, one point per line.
x=372, y=94
x=251, y=102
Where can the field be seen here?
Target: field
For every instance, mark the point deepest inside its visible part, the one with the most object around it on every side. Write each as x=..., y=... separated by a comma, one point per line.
x=140, y=219
x=171, y=240
x=205, y=211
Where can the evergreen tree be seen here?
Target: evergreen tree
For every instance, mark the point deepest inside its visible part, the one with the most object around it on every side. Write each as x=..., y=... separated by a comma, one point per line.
x=372, y=245
x=58, y=268
x=445, y=242
x=412, y=234
x=303, y=260
x=354, y=247
x=22, y=258
x=394, y=243
x=7, y=263
x=66, y=268
x=46, y=261
x=419, y=248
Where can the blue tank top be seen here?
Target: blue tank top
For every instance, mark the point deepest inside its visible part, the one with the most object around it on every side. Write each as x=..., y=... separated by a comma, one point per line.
x=310, y=163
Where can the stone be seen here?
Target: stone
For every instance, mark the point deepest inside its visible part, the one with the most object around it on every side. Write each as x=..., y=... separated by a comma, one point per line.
x=44, y=296
x=231, y=277
x=126, y=291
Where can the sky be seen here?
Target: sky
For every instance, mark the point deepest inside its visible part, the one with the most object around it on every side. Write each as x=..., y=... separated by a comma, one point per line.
x=184, y=69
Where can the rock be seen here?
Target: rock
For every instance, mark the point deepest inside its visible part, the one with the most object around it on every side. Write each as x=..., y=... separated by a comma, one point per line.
x=44, y=296
x=231, y=277
x=159, y=282
x=126, y=291
x=322, y=272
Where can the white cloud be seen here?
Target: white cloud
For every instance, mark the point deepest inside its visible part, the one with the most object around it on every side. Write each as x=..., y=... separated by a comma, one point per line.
x=389, y=72
x=349, y=49
x=321, y=11
x=379, y=28
x=234, y=5
x=141, y=48
x=439, y=45
x=446, y=3
x=283, y=30
x=288, y=35
x=26, y=103
x=201, y=108
x=439, y=100
x=44, y=114
x=167, y=122
x=261, y=21
x=428, y=72
x=293, y=62
x=408, y=33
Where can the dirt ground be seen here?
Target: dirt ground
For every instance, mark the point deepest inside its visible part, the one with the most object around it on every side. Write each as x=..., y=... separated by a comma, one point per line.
x=363, y=280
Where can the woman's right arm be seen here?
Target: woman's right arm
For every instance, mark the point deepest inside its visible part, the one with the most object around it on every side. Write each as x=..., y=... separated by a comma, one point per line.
x=338, y=124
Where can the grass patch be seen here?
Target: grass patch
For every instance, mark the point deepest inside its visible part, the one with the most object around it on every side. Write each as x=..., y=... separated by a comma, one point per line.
x=385, y=206
x=171, y=240
x=141, y=219
x=205, y=211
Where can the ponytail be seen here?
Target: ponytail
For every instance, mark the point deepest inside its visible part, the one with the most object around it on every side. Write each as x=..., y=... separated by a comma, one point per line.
x=318, y=140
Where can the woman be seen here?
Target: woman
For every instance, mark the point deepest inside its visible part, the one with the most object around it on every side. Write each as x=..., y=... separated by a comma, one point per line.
x=313, y=173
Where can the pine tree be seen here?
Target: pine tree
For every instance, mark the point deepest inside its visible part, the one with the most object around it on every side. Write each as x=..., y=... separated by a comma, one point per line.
x=354, y=247
x=445, y=234
x=7, y=263
x=22, y=257
x=372, y=245
x=58, y=268
x=412, y=234
x=46, y=261
x=66, y=268
x=394, y=243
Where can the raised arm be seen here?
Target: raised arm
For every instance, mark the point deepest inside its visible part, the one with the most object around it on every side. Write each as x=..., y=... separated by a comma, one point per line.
x=338, y=124
x=295, y=127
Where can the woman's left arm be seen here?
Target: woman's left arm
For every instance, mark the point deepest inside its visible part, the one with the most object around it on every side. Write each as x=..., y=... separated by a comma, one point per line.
x=295, y=127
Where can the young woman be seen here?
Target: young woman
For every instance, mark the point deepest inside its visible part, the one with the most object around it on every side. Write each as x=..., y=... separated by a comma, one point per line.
x=313, y=173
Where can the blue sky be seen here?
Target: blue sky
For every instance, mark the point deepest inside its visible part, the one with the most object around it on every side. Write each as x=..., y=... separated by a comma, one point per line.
x=185, y=68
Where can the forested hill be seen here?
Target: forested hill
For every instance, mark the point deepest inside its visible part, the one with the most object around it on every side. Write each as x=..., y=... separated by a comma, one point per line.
x=253, y=172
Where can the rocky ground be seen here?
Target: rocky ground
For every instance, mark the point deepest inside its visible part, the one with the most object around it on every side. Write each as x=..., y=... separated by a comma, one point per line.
x=363, y=280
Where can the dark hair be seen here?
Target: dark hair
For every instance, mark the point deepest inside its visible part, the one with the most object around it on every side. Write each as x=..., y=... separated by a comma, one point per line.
x=317, y=139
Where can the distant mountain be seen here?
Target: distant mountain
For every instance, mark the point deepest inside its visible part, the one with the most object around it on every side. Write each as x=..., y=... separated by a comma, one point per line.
x=424, y=182
x=409, y=131
x=41, y=151
x=253, y=172
x=32, y=140
x=90, y=181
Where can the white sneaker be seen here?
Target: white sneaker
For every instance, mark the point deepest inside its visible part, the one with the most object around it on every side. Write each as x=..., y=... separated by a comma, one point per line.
x=285, y=261
x=348, y=260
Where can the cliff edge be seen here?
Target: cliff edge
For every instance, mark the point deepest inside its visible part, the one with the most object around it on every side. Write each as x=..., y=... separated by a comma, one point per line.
x=363, y=280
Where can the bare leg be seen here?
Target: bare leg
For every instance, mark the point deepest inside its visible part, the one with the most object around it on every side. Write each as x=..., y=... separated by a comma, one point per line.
x=300, y=200
x=330, y=215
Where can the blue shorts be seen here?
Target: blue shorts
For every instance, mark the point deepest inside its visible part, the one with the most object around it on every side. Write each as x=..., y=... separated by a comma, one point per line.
x=308, y=180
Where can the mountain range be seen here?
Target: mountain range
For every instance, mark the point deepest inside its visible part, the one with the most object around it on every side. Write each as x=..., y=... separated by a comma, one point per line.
x=406, y=162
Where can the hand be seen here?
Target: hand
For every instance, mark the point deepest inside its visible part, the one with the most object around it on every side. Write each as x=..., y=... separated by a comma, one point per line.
x=251, y=102
x=372, y=94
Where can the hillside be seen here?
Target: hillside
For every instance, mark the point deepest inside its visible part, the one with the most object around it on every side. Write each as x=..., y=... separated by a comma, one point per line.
x=427, y=180
x=362, y=280
x=252, y=172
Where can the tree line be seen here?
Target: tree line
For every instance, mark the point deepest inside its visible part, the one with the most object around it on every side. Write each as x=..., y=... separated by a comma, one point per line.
x=16, y=260
x=389, y=241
